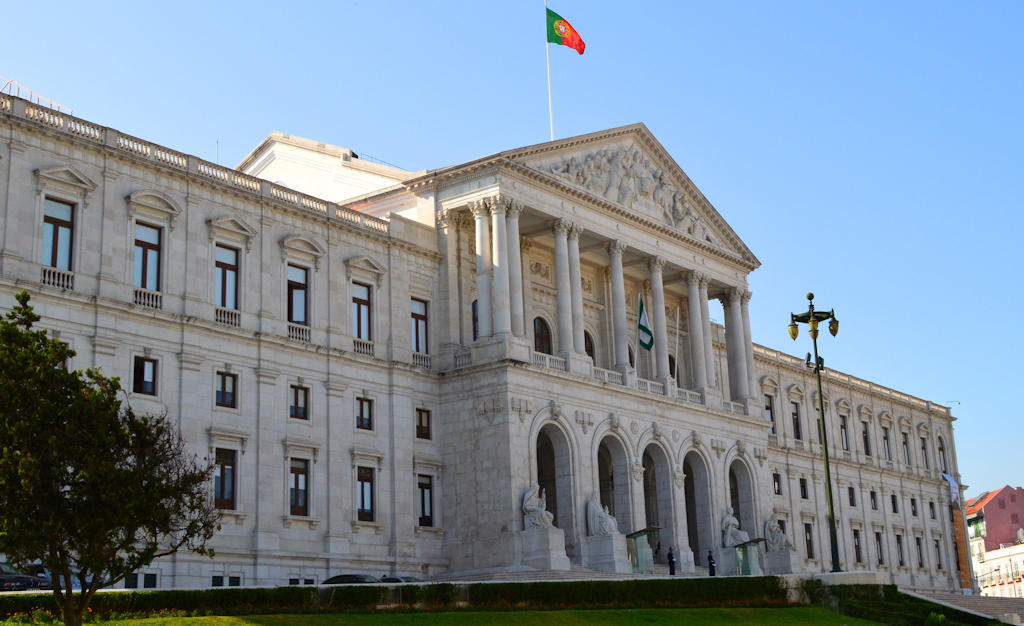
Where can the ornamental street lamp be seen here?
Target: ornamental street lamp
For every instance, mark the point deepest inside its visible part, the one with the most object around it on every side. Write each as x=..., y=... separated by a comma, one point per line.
x=812, y=318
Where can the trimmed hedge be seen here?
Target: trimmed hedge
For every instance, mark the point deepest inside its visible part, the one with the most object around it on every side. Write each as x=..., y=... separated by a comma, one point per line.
x=681, y=593
x=884, y=603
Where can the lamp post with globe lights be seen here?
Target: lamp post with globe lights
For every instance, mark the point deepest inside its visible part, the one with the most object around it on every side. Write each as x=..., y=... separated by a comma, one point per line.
x=812, y=318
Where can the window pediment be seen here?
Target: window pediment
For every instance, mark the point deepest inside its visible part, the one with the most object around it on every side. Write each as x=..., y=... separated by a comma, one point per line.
x=365, y=266
x=65, y=176
x=228, y=436
x=367, y=455
x=232, y=227
x=154, y=204
x=885, y=418
x=769, y=385
x=295, y=446
x=843, y=406
x=302, y=248
x=796, y=392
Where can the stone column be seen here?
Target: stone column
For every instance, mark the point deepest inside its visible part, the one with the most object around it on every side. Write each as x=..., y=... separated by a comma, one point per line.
x=483, y=270
x=705, y=320
x=615, y=250
x=528, y=314
x=735, y=347
x=499, y=260
x=748, y=346
x=655, y=265
x=561, y=228
x=515, y=269
x=696, y=327
x=576, y=289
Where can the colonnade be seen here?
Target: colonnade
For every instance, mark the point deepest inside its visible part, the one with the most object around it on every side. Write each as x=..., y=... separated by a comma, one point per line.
x=501, y=302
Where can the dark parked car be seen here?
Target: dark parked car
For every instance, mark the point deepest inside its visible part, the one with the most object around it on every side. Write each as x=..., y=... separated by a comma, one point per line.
x=351, y=579
x=13, y=580
x=401, y=579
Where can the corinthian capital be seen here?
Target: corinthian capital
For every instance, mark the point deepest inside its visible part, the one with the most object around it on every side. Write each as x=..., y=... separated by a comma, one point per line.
x=615, y=248
x=736, y=294
x=745, y=297
x=497, y=204
x=575, y=232
x=479, y=208
x=655, y=264
x=514, y=208
x=561, y=226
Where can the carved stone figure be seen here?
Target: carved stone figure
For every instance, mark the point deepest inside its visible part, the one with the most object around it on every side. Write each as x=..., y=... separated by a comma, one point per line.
x=535, y=514
x=731, y=533
x=599, y=520
x=775, y=539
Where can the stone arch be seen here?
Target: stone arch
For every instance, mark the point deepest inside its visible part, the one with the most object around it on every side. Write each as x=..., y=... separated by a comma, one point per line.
x=659, y=500
x=554, y=454
x=611, y=456
x=741, y=495
x=699, y=506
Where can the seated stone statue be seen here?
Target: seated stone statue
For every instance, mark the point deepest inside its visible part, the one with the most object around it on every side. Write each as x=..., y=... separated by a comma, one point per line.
x=599, y=520
x=535, y=514
x=775, y=539
x=731, y=533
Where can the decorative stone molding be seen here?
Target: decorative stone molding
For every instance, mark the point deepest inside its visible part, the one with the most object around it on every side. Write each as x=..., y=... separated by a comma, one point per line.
x=480, y=208
x=302, y=249
x=539, y=269
x=585, y=420
x=226, y=437
x=613, y=422
x=233, y=228
x=521, y=407
x=154, y=205
x=561, y=226
x=365, y=266
x=638, y=470
x=656, y=431
x=556, y=411
x=718, y=447
x=678, y=477
x=367, y=455
x=294, y=446
x=695, y=438
x=514, y=209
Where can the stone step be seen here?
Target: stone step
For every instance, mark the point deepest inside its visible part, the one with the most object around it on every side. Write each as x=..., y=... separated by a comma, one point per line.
x=989, y=605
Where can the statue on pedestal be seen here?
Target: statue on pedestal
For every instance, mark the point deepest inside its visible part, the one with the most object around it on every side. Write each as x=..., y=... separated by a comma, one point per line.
x=731, y=533
x=599, y=520
x=775, y=538
x=535, y=514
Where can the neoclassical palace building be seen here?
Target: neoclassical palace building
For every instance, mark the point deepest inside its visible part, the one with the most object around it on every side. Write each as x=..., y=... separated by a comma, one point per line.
x=384, y=365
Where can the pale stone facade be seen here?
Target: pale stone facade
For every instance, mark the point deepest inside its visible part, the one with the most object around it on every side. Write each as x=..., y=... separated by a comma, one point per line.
x=406, y=353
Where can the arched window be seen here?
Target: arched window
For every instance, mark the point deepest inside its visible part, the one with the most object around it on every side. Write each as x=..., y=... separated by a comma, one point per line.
x=588, y=346
x=671, y=366
x=942, y=457
x=632, y=359
x=476, y=322
x=541, y=336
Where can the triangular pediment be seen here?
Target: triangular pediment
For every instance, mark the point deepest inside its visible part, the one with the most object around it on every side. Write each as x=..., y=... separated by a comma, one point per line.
x=66, y=175
x=365, y=264
x=233, y=227
x=629, y=168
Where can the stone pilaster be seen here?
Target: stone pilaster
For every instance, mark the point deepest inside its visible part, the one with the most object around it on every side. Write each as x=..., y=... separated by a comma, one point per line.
x=705, y=320
x=655, y=266
x=696, y=326
x=735, y=345
x=483, y=270
x=499, y=260
x=748, y=346
x=561, y=228
x=515, y=269
x=576, y=289
x=615, y=250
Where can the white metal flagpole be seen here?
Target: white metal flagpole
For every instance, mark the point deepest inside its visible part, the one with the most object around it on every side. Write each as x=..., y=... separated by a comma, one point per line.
x=547, y=55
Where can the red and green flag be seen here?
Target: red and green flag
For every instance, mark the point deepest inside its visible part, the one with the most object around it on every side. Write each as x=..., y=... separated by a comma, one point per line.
x=562, y=32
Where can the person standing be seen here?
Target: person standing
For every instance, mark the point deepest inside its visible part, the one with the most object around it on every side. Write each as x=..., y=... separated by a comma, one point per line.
x=671, y=562
x=711, y=564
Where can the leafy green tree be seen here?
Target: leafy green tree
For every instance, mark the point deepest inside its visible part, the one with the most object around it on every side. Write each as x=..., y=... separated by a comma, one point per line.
x=88, y=488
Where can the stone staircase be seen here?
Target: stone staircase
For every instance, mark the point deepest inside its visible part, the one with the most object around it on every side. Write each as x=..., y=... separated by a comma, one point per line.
x=578, y=572
x=996, y=608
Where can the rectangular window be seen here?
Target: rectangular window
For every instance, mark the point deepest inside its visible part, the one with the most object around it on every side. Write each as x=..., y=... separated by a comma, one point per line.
x=422, y=424
x=58, y=227
x=299, y=488
x=899, y=551
x=769, y=411
x=365, y=494
x=913, y=507
x=224, y=479
x=809, y=540
x=852, y=494
x=797, y=433
x=361, y=309
x=149, y=581
x=906, y=447
x=895, y=504
x=777, y=483
x=226, y=385
x=364, y=413
x=938, y=555
x=874, y=500
x=857, y=553
x=866, y=438
x=131, y=581
x=818, y=429
x=234, y=581
x=147, y=256
x=298, y=295
x=924, y=452
x=920, y=553
x=419, y=327
x=144, y=378
x=885, y=443
x=225, y=277
x=217, y=581
x=844, y=436
x=931, y=509
x=878, y=548
x=426, y=491
x=803, y=488
x=298, y=402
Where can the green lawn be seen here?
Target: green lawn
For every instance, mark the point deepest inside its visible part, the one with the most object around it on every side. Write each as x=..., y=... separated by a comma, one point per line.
x=793, y=616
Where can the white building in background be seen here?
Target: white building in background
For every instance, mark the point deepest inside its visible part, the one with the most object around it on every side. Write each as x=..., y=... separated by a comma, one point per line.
x=382, y=362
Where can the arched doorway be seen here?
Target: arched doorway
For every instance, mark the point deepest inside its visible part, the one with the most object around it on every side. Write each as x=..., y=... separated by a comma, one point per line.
x=554, y=475
x=658, y=508
x=741, y=496
x=613, y=481
x=698, y=507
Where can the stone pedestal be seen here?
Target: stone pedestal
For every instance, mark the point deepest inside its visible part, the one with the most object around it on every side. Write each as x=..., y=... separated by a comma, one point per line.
x=500, y=347
x=726, y=562
x=606, y=553
x=778, y=562
x=544, y=548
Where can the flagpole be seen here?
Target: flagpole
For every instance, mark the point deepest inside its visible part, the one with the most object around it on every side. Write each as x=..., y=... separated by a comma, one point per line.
x=547, y=55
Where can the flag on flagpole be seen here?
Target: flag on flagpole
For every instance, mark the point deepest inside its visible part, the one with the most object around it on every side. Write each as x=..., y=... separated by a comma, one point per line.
x=562, y=32
x=644, y=336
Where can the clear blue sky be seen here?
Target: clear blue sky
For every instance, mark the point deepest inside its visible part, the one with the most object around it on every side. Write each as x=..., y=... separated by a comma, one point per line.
x=870, y=152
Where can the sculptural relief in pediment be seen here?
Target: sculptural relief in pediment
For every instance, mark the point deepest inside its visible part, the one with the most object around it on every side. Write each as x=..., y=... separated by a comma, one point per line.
x=628, y=178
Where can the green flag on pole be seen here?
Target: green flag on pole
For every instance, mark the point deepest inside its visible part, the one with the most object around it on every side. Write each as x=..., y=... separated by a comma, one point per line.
x=644, y=336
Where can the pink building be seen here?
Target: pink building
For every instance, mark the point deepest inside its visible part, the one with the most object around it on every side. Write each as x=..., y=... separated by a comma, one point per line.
x=995, y=517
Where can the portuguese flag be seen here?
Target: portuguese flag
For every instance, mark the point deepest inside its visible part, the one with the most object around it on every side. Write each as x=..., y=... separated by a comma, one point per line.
x=562, y=32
